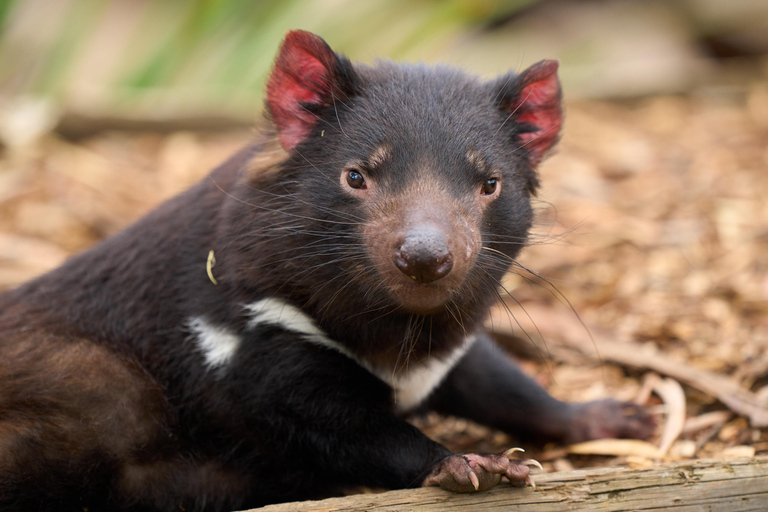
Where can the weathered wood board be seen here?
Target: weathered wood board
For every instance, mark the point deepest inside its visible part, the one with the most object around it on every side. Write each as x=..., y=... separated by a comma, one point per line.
x=717, y=485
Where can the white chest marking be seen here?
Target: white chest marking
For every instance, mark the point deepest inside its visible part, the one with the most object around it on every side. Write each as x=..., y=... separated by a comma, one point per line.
x=411, y=384
x=217, y=344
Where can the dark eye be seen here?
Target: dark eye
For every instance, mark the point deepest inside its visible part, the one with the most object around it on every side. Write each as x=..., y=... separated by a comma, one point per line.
x=355, y=179
x=489, y=187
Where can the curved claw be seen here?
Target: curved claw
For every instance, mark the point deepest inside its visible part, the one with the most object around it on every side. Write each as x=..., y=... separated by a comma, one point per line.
x=529, y=481
x=508, y=453
x=473, y=478
x=531, y=463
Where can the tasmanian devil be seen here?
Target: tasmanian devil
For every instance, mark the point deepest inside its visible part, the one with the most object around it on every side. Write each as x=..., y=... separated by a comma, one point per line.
x=258, y=338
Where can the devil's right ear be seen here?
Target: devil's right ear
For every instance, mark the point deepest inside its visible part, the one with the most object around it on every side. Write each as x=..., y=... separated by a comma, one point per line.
x=307, y=76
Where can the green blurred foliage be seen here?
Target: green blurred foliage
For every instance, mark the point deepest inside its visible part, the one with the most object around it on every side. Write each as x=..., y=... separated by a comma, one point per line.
x=165, y=59
x=209, y=50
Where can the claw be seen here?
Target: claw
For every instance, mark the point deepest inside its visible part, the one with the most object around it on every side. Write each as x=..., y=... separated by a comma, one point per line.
x=531, y=462
x=508, y=453
x=529, y=481
x=474, y=480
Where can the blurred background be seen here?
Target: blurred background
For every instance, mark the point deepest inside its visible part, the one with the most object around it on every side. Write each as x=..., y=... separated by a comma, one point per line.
x=68, y=63
x=653, y=215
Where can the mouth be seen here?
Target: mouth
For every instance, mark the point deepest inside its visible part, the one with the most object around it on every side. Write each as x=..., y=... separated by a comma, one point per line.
x=420, y=298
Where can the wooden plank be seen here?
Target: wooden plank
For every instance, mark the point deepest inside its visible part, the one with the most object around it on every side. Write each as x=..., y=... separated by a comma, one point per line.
x=715, y=485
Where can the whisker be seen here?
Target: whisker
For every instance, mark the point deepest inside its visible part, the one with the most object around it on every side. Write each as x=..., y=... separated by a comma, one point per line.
x=304, y=217
x=552, y=290
x=518, y=107
x=336, y=111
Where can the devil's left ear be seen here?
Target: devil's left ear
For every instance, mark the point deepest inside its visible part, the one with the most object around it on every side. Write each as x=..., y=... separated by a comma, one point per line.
x=534, y=99
x=307, y=76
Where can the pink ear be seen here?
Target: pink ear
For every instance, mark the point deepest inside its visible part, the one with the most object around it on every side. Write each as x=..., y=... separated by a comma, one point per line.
x=304, y=74
x=539, y=104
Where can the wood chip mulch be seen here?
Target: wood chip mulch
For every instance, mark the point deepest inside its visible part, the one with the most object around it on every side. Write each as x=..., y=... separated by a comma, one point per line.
x=651, y=240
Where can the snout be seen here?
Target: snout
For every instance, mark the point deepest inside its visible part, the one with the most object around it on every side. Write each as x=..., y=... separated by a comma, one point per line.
x=423, y=249
x=424, y=254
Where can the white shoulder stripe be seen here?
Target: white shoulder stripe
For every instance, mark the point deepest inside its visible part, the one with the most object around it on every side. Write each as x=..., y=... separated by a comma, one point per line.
x=277, y=312
x=217, y=344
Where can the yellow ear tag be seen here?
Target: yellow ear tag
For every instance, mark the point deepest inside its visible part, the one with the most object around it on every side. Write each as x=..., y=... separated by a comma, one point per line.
x=209, y=267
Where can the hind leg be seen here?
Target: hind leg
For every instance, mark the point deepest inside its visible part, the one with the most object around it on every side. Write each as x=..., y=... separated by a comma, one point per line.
x=70, y=412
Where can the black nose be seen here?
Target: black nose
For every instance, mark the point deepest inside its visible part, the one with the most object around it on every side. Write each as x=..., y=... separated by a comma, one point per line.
x=424, y=255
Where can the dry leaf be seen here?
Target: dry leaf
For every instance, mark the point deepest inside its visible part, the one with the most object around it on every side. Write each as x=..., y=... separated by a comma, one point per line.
x=617, y=447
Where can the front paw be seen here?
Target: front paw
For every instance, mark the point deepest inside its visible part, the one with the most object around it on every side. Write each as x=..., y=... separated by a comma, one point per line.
x=472, y=472
x=609, y=419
